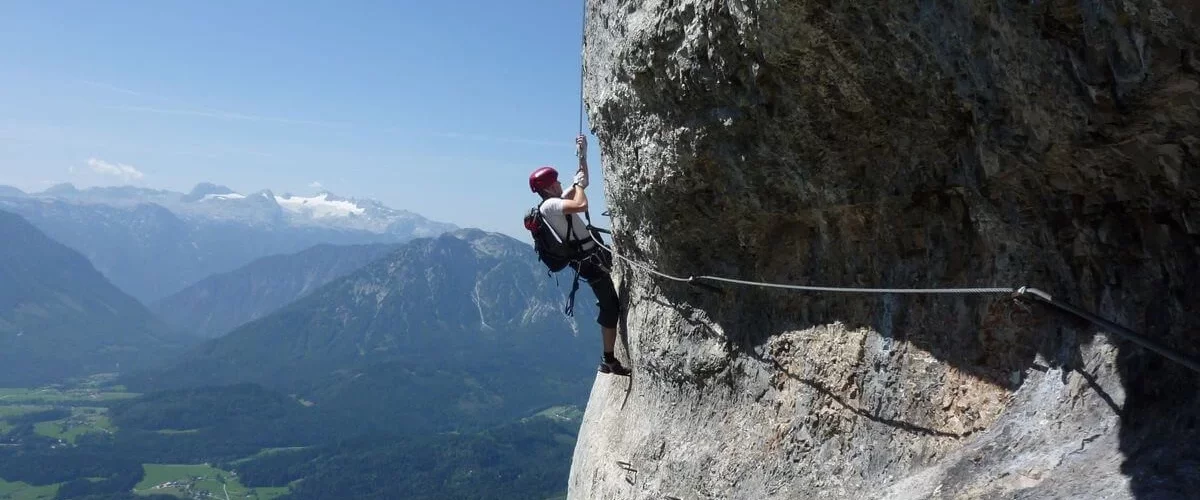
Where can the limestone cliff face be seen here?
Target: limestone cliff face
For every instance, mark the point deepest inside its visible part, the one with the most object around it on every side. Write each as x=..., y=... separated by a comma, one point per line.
x=906, y=144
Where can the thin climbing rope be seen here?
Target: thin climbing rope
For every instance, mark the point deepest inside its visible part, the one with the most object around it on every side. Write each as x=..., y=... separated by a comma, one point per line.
x=981, y=291
x=639, y=265
x=691, y=279
x=582, y=50
x=1022, y=292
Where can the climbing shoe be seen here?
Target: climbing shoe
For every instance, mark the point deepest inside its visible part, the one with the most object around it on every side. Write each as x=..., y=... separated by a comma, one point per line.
x=614, y=367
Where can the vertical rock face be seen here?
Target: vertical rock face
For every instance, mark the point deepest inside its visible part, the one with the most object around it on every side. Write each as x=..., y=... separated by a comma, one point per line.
x=1054, y=144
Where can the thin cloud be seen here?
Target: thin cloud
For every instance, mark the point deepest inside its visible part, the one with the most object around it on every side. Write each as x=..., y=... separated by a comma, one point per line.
x=224, y=115
x=126, y=172
x=218, y=151
x=110, y=87
x=507, y=140
x=232, y=115
x=316, y=184
x=200, y=151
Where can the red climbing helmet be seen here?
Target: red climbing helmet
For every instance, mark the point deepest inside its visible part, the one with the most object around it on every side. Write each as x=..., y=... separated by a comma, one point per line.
x=542, y=178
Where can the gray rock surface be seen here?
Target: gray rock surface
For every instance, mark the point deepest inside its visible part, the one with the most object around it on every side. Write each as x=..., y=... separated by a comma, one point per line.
x=1054, y=144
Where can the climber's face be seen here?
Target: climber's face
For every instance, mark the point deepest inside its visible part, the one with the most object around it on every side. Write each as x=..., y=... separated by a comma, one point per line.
x=555, y=189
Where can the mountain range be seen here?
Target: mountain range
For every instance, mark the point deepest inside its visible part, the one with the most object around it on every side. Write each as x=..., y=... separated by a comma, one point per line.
x=433, y=334
x=465, y=327
x=212, y=201
x=153, y=243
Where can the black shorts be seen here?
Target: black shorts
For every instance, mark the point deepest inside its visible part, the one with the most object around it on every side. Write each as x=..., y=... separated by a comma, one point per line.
x=594, y=269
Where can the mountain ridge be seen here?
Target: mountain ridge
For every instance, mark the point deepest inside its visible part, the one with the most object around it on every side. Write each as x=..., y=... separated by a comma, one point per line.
x=222, y=302
x=59, y=317
x=469, y=316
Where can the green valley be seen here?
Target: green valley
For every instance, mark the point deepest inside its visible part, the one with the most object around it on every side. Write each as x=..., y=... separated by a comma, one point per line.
x=199, y=481
x=271, y=446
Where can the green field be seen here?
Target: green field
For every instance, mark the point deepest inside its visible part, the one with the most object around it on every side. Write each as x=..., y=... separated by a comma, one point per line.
x=23, y=491
x=202, y=480
x=14, y=410
x=60, y=396
x=86, y=405
x=81, y=421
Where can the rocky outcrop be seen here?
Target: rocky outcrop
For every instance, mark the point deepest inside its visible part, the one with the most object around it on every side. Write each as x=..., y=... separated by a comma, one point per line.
x=906, y=144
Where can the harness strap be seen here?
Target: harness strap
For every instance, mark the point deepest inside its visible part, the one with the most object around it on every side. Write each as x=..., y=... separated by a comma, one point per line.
x=570, y=239
x=569, y=310
x=570, y=230
x=590, y=257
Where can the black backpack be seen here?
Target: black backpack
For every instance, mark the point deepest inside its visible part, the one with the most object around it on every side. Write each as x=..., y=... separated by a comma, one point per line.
x=554, y=252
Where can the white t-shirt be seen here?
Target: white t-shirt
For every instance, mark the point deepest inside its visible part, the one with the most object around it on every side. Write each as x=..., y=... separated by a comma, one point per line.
x=552, y=210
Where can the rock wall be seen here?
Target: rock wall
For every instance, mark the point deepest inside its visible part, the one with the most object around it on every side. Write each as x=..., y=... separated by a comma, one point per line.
x=1054, y=144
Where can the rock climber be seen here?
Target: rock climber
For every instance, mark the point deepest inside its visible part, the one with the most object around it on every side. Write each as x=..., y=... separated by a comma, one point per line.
x=561, y=211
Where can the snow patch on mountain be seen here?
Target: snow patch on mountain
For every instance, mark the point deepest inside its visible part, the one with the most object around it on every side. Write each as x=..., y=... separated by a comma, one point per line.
x=230, y=196
x=319, y=206
x=212, y=203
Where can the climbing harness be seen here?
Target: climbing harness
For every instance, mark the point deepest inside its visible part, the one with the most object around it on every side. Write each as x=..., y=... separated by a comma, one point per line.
x=1024, y=293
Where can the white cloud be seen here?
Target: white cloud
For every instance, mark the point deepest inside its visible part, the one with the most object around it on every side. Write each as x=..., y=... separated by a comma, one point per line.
x=126, y=172
x=316, y=184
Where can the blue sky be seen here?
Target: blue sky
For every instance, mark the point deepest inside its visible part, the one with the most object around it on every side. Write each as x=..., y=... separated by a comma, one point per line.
x=442, y=108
